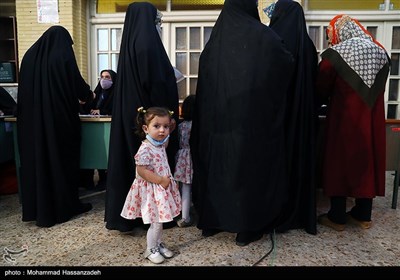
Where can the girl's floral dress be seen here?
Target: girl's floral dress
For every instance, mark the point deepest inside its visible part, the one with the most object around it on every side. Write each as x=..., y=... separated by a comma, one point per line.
x=150, y=201
x=183, y=168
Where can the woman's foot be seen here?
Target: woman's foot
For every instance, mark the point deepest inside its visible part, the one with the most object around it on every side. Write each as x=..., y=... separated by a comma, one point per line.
x=245, y=238
x=359, y=223
x=210, y=232
x=325, y=221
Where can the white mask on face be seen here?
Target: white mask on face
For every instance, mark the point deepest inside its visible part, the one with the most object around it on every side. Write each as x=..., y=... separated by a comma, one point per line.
x=105, y=84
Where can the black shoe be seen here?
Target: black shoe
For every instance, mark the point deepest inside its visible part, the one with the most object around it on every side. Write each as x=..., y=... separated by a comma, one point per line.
x=210, y=232
x=245, y=238
x=83, y=208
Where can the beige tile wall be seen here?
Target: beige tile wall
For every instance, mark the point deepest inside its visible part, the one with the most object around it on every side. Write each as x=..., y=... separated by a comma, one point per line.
x=72, y=14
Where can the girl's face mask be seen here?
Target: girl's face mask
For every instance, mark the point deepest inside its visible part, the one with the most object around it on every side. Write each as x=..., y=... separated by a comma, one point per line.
x=105, y=83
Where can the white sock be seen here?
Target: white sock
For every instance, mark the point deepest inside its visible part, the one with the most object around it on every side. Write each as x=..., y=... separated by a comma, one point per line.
x=186, y=201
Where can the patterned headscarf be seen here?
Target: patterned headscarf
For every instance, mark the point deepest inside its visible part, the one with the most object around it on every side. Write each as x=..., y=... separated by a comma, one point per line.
x=357, y=47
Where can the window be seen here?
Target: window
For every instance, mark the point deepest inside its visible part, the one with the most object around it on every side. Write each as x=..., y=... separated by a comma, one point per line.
x=188, y=41
x=393, y=86
x=108, y=41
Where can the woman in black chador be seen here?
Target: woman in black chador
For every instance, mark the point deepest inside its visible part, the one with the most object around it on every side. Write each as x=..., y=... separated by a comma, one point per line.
x=101, y=105
x=49, y=129
x=145, y=78
x=238, y=131
x=301, y=119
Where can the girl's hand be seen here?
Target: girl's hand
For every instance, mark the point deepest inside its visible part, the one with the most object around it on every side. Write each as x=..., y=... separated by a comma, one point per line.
x=165, y=181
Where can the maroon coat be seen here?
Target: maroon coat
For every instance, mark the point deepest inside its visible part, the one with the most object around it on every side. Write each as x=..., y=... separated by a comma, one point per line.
x=355, y=139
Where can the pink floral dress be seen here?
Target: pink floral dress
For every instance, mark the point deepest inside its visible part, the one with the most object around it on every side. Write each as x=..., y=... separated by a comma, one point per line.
x=183, y=168
x=150, y=201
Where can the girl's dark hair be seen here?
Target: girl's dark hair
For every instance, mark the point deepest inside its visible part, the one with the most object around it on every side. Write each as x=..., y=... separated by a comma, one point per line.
x=188, y=107
x=144, y=117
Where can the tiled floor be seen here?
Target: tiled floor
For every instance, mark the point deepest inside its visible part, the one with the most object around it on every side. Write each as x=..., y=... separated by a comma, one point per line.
x=84, y=241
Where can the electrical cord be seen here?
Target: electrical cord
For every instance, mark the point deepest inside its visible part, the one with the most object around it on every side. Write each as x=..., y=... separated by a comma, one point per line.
x=272, y=237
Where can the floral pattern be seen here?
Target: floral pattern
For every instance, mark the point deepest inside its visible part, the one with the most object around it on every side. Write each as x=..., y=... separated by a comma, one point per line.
x=150, y=201
x=183, y=168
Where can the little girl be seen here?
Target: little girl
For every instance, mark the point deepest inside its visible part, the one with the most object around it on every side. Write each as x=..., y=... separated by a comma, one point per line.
x=183, y=168
x=153, y=196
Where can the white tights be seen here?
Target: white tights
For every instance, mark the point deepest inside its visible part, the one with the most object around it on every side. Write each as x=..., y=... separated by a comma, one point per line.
x=186, y=201
x=154, y=235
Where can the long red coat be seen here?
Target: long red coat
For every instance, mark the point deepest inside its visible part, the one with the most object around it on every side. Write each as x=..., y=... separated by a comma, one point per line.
x=355, y=139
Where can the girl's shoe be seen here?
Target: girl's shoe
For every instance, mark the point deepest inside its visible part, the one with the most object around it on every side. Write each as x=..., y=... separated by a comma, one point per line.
x=182, y=223
x=154, y=255
x=165, y=252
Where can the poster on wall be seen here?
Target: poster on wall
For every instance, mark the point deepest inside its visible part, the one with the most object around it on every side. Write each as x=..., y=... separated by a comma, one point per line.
x=47, y=11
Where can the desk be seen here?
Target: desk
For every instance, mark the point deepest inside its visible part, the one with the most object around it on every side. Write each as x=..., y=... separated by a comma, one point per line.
x=94, y=143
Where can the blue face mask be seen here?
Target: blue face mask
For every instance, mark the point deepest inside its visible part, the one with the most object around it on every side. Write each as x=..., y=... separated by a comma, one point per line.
x=156, y=142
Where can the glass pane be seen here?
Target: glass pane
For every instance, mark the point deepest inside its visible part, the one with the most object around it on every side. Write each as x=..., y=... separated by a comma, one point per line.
x=394, y=69
x=324, y=41
x=345, y=5
x=102, y=62
x=396, y=37
x=207, y=33
x=193, y=85
x=194, y=38
x=182, y=89
x=102, y=39
x=181, y=60
x=313, y=32
x=394, y=5
x=116, y=34
x=372, y=30
x=194, y=63
x=391, y=112
x=393, y=89
x=181, y=38
x=114, y=61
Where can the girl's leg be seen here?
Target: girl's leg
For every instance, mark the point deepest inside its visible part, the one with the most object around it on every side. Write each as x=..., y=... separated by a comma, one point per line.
x=164, y=251
x=152, y=252
x=186, y=201
x=152, y=236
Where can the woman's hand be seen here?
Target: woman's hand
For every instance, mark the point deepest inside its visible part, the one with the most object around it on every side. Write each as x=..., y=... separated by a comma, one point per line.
x=95, y=112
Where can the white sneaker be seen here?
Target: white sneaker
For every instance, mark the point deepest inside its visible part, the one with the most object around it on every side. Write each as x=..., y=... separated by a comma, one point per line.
x=153, y=255
x=165, y=252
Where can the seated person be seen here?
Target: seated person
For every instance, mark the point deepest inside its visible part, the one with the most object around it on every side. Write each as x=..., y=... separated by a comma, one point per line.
x=101, y=105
